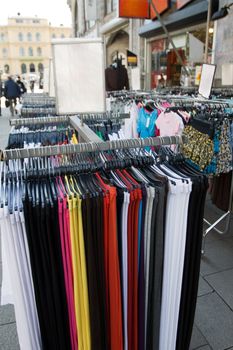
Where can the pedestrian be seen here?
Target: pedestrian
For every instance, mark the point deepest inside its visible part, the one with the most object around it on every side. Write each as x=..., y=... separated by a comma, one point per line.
x=21, y=86
x=11, y=92
x=32, y=85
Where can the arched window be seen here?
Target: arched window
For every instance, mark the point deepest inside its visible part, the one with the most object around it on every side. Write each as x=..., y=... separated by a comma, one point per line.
x=53, y=36
x=23, y=68
x=32, y=68
x=4, y=52
x=2, y=37
x=7, y=69
x=62, y=36
x=37, y=36
x=40, y=68
x=39, y=51
x=30, y=51
x=20, y=36
x=21, y=51
x=29, y=36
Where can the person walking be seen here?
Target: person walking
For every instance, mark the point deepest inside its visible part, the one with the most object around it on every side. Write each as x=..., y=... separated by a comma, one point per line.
x=11, y=92
x=21, y=86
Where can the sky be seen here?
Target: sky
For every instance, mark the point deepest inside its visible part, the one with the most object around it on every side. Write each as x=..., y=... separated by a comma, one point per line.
x=56, y=11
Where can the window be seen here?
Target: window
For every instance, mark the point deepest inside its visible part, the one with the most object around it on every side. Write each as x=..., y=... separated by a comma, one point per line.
x=30, y=51
x=37, y=36
x=32, y=68
x=29, y=36
x=53, y=36
x=20, y=36
x=62, y=36
x=39, y=51
x=2, y=37
x=36, y=21
x=21, y=51
x=40, y=68
x=110, y=6
x=7, y=69
x=19, y=21
x=4, y=52
x=23, y=68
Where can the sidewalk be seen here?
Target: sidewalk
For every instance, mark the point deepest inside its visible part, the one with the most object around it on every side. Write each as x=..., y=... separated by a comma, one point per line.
x=213, y=328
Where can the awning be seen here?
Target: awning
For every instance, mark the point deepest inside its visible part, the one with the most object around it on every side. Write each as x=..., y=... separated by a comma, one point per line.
x=189, y=16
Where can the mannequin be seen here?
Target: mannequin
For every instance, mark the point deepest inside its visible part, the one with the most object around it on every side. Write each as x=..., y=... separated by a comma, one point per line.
x=116, y=76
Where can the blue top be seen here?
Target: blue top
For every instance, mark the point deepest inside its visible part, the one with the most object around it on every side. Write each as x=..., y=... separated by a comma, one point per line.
x=146, y=123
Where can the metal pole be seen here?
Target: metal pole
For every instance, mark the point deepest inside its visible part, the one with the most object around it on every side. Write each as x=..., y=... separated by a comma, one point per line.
x=169, y=38
x=207, y=32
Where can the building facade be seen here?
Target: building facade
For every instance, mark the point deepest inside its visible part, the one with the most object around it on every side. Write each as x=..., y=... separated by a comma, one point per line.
x=25, y=45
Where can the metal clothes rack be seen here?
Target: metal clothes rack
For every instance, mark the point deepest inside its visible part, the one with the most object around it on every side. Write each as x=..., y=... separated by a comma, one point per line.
x=92, y=147
x=39, y=120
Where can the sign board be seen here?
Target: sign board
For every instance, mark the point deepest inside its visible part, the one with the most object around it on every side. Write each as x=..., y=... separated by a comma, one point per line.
x=79, y=75
x=141, y=8
x=207, y=78
x=132, y=59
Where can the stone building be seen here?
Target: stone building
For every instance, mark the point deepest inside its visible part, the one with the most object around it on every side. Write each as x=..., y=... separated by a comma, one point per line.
x=25, y=45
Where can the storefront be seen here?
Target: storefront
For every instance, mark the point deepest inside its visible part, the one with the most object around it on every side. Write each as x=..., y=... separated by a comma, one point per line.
x=188, y=30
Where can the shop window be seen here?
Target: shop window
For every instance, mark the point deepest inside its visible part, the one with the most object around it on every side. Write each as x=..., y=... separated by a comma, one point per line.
x=23, y=68
x=32, y=68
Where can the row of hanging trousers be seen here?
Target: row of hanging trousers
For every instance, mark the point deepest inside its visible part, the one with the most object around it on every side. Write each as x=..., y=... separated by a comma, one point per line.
x=104, y=260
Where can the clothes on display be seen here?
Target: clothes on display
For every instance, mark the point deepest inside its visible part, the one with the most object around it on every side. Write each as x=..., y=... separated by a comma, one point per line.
x=41, y=135
x=116, y=77
x=103, y=249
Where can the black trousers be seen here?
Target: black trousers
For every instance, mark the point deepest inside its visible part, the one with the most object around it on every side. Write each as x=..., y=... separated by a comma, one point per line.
x=92, y=213
x=191, y=262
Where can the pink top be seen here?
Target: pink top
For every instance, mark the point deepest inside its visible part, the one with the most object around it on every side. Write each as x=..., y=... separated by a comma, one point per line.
x=169, y=124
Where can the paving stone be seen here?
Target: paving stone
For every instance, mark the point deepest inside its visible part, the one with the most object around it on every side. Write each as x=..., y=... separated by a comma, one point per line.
x=204, y=287
x=222, y=282
x=215, y=321
x=197, y=339
x=218, y=257
x=9, y=337
x=7, y=314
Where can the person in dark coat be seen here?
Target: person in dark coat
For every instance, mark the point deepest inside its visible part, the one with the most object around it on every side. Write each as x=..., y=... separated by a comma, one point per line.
x=11, y=92
x=21, y=86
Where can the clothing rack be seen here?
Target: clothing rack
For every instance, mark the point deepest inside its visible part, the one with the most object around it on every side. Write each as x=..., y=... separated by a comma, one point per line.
x=39, y=120
x=227, y=215
x=92, y=147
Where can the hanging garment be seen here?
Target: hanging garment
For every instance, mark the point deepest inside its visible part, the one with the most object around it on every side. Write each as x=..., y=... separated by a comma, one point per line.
x=110, y=255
